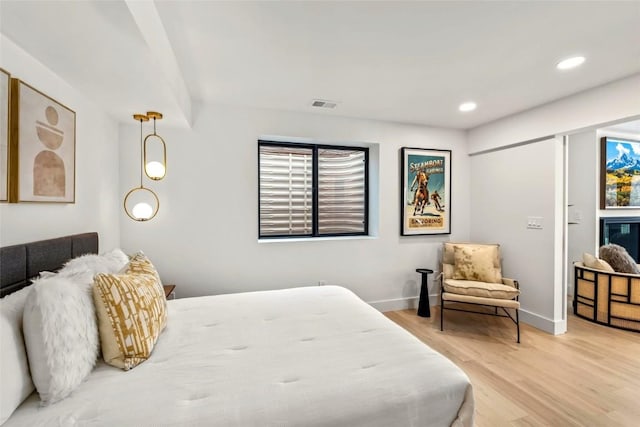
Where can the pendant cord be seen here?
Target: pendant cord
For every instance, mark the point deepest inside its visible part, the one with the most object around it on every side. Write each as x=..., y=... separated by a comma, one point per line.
x=141, y=154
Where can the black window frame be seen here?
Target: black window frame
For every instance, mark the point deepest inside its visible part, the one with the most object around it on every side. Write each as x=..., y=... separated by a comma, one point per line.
x=315, y=147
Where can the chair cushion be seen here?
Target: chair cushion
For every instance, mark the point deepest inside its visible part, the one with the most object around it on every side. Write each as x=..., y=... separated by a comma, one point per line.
x=480, y=289
x=506, y=303
x=476, y=263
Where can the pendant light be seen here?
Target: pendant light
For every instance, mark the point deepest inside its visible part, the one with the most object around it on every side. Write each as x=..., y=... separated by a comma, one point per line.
x=154, y=169
x=140, y=203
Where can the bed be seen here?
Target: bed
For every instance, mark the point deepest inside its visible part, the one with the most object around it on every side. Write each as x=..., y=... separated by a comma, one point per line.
x=312, y=356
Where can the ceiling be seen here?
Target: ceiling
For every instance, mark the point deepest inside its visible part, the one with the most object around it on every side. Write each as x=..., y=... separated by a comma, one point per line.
x=411, y=62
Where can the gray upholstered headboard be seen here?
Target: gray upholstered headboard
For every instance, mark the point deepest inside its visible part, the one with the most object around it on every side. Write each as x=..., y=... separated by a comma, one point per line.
x=21, y=263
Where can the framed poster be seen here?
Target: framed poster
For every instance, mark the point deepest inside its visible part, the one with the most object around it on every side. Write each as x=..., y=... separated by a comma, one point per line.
x=619, y=173
x=426, y=192
x=5, y=80
x=43, y=147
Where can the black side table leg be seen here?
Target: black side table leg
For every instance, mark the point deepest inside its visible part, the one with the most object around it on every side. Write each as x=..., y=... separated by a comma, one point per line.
x=424, y=307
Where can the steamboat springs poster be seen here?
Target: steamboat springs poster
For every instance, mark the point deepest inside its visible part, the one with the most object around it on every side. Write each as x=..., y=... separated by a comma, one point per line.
x=426, y=191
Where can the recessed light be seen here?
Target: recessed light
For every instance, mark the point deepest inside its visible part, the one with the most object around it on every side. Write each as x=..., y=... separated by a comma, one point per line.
x=467, y=106
x=570, y=63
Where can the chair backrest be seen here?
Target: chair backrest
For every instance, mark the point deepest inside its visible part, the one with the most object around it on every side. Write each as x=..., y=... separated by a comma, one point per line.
x=449, y=256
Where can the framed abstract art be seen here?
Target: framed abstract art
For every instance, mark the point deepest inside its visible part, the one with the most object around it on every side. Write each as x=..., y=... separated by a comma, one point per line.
x=5, y=80
x=42, y=147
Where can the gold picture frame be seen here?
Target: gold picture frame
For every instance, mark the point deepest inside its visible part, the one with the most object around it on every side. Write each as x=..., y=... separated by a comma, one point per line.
x=425, y=204
x=42, y=149
x=5, y=92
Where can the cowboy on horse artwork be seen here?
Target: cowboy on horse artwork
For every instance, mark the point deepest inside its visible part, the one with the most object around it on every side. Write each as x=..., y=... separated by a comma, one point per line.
x=425, y=191
x=421, y=195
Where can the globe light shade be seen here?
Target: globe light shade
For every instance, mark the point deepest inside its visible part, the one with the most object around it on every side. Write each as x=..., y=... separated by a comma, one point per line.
x=141, y=204
x=142, y=211
x=155, y=170
x=154, y=156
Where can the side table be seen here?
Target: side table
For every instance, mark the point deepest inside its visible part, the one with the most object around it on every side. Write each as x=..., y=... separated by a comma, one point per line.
x=424, y=308
x=169, y=291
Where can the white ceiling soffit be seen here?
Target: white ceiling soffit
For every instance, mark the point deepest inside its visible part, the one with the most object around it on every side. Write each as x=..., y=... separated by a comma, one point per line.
x=146, y=16
x=411, y=62
x=98, y=48
x=631, y=128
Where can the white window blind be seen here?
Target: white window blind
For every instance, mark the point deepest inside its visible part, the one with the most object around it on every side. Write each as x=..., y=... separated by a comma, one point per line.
x=286, y=191
x=312, y=190
x=341, y=191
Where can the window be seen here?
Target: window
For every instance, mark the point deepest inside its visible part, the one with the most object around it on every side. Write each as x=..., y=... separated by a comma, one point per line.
x=308, y=190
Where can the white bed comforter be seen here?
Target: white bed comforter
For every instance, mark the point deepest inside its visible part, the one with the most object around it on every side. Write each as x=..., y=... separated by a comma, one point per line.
x=295, y=357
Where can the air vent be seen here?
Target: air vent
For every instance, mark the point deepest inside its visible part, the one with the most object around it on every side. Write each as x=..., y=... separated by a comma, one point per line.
x=321, y=103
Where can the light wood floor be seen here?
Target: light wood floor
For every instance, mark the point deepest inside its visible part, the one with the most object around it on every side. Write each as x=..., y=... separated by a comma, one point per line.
x=589, y=376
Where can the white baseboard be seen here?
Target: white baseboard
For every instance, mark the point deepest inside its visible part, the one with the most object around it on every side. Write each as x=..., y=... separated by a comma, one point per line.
x=555, y=327
x=400, y=303
x=394, y=304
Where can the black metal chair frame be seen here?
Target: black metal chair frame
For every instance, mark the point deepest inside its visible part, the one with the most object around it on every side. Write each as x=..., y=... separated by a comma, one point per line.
x=515, y=320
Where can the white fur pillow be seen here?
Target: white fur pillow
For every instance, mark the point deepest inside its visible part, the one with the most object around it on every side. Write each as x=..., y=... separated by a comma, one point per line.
x=15, y=381
x=60, y=333
x=60, y=326
x=108, y=263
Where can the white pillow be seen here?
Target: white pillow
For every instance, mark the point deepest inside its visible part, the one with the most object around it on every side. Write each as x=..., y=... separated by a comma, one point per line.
x=108, y=263
x=596, y=263
x=15, y=381
x=60, y=333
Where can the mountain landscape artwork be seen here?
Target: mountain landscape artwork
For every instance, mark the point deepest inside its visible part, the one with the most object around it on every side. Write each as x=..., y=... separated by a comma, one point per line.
x=620, y=173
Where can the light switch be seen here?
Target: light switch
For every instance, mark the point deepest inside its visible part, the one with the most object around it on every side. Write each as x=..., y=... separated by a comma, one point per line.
x=534, y=222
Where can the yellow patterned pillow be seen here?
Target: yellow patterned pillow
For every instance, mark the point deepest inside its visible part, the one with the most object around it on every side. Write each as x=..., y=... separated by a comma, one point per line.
x=476, y=263
x=131, y=310
x=140, y=264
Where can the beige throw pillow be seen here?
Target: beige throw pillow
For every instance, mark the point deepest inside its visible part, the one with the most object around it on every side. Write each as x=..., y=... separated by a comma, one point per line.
x=131, y=310
x=476, y=263
x=448, y=251
x=590, y=261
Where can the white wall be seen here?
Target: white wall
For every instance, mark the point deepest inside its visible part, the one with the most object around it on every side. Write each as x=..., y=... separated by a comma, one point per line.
x=583, y=198
x=205, y=235
x=508, y=186
x=97, y=203
x=610, y=103
x=607, y=103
